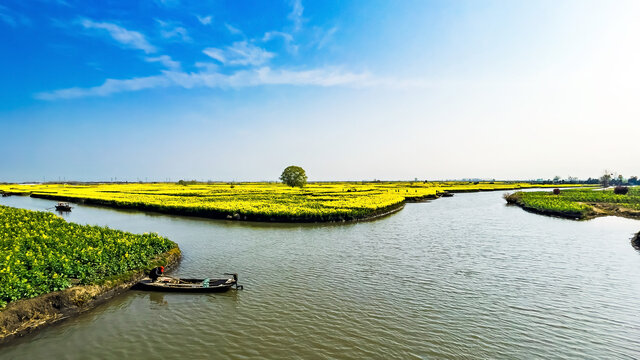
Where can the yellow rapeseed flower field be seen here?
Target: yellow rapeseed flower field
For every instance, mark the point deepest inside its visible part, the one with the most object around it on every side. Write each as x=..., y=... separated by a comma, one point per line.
x=260, y=201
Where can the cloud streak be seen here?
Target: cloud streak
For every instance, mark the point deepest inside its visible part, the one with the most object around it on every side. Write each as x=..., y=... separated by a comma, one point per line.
x=166, y=61
x=172, y=30
x=286, y=37
x=110, y=86
x=322, y=77
x=129, y=38
x=326, y=37
x=178, y=32
x=232, y=29
x=296, y=14
x=205, y=20
x=240, y=53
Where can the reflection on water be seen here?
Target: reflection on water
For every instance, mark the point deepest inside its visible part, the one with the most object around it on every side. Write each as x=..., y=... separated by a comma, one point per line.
x=62, y=214
x=462, y=277
x=157, y=298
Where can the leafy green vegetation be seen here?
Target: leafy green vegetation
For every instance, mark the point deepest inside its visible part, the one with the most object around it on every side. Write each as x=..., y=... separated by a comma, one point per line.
x=40, y=253
x=294, y=176
x=580, y=203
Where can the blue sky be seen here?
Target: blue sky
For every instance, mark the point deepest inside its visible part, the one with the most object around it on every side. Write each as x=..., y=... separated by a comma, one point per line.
x=349, y=90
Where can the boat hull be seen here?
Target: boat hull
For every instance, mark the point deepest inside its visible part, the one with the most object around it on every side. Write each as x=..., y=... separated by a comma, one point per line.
x=196, y=288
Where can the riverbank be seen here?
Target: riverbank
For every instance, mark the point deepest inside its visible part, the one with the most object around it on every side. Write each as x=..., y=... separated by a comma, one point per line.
x=51, y=269
x=236, y=215
x=580, y=204
x=25, y=316
x=262, y=202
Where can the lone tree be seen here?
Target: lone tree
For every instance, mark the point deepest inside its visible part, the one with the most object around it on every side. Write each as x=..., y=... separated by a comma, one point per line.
x=294, y=176
x=606, y=178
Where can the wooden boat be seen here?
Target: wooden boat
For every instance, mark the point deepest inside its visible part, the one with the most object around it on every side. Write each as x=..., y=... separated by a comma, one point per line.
x=169, y=284
x=63, y=206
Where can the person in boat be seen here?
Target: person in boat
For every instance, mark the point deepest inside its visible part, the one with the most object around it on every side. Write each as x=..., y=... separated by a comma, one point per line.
x=155, y=273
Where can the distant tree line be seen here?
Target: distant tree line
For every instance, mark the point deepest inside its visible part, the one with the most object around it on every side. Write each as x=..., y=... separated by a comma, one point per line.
x=606, y=180
x=612, y=179
x=187, y=182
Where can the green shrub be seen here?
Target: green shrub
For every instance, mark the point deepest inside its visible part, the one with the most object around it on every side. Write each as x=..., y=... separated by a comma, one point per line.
x=40, y=253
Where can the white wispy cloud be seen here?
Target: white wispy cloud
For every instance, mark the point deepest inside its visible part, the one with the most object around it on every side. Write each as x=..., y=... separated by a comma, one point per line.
x=207, y=66
x=166, y=61
x=110, y=86
x=286, y=37
x=240, y=53
x=170, y=30
x=316, y=77
x=273, y=34
x=210, y=74
x=205, y=20
x=216, y=54
x=232, y=29
x=268, y=76
x=178, y=31
x=210, y=78
x=126, y=37
x=296, y=14
x=326, y=37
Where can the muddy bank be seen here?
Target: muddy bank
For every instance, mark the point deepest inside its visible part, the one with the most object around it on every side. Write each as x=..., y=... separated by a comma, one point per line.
x=418, y=199
x=385, y=212
x=604, y=209
x=25, y=316
x=562, y=214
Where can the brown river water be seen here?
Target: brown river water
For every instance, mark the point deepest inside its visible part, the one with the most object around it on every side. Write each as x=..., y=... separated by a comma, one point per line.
x=458, y=278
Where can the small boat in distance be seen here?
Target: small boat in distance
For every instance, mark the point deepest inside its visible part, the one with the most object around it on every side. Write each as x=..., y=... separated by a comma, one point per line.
x=169, y=284
x=63, y=206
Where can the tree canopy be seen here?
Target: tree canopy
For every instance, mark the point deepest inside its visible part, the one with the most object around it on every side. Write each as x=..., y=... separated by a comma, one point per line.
x=294, y=176
x=606, y=178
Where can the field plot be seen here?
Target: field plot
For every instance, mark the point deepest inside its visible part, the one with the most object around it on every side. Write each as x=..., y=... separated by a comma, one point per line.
x=316, y=202
x=580, y=203
x=41, y=253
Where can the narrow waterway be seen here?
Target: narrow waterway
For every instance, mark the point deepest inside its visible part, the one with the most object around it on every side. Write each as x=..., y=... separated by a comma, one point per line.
x=457, y=278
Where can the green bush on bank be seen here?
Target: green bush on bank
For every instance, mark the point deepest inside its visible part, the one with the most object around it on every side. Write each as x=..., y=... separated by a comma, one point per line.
x=40, y=253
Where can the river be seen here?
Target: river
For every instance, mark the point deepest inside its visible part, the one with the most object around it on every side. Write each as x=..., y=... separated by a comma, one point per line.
x=456, y=278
